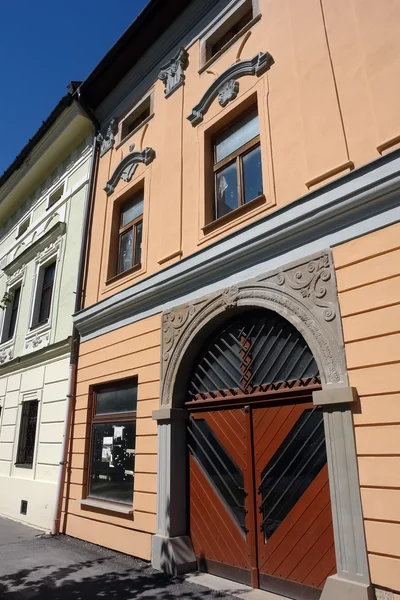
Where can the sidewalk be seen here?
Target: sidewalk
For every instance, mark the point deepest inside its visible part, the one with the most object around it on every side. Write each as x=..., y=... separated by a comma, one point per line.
x=35, y=566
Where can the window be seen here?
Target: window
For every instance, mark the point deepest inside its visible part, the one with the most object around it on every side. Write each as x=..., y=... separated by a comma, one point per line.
x=23, y=227
x=229, y=30
x=237, y=165
x=137, y=117
x=43, y=302
x=27, y=434
x=130, y=234
x=113, y=442
x=10, y=319
x=55, y=196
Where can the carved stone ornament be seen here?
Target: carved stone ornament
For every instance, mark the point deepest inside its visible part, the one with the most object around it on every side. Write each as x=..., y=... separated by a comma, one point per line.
x=259, y=64
x=6, y=355
x=383, y=594
x=303, y=293
x=173, y=73
x=127, y=167
x=108, y=139
x=38, y=341
x=228, y=91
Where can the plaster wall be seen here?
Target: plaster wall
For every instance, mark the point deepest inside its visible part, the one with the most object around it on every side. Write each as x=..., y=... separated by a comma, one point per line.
x=133, y=351
x=368, y=278
x=47, y=383
x=335, y=68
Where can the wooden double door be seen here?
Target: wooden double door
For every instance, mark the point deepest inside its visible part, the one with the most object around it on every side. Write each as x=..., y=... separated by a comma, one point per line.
x=260, y=510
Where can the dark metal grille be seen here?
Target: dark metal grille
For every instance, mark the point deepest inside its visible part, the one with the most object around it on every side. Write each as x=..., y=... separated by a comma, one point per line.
x=291, y=470
x=222, y=472
x=257, y=351
x=27, y=434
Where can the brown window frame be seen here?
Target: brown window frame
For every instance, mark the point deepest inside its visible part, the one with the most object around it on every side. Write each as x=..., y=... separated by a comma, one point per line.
x=111, y=418
x=235, y=157
x=123, y=229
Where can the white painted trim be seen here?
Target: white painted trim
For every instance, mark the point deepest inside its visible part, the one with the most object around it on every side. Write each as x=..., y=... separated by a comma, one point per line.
x=362, y=201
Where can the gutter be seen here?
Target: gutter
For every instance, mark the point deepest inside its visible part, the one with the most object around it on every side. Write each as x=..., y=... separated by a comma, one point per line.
x=71, y=395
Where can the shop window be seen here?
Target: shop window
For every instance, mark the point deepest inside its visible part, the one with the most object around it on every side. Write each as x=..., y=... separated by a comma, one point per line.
x=130, y=234
x=237, y=165
x=137, y=117
x=112, y=466
x=44, y=294
x=23, y=227
x=27, y=434
x=55, y=196
x=11, y=314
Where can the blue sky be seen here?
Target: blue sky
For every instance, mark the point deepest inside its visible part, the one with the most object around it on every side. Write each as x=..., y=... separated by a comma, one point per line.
x=44, y=44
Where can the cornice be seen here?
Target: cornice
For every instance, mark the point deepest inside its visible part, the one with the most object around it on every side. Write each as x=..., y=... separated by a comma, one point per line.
x=127, y=167
x=226, y=86
x=360, y=202
x=37, y=357
x=35, y=247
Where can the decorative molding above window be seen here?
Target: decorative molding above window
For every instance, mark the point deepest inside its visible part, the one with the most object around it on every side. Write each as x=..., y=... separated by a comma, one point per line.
x=127, y=167
x=226, y=86
x=173, y=73
x=108, y=139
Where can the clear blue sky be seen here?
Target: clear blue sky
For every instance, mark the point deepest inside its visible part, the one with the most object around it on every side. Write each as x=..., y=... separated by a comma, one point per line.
x=44, y=44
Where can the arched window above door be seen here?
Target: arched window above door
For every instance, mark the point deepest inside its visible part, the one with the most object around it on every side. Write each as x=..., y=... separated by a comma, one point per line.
x=254, y=352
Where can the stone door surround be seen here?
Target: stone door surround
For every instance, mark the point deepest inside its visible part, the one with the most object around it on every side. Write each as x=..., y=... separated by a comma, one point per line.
x=305, y=294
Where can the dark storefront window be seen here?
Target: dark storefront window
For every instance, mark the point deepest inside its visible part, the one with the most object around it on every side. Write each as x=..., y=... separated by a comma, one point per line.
x=113, y=443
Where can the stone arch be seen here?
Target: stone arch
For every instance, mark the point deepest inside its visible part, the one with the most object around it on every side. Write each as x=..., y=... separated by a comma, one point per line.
x=315, y=315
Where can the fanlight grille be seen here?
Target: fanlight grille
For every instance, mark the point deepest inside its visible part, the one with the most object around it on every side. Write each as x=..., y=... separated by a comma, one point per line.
x=255, y=352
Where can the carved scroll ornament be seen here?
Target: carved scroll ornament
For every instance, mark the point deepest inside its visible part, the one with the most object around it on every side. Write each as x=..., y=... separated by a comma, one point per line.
x=173, y=73
x=226, y=86
x=127, y=167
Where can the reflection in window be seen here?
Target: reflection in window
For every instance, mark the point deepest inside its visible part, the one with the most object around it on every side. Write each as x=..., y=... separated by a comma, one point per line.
x=130, y=234
x=237, y=165
x=113, y=443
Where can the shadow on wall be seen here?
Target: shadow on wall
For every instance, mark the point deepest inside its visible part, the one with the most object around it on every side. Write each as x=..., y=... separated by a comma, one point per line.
x=70, y=583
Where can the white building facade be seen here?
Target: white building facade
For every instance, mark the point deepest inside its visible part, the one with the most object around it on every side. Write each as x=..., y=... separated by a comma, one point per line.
x=42, y=207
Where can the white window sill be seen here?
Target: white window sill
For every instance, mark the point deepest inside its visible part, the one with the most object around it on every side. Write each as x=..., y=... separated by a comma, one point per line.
x=111, y=506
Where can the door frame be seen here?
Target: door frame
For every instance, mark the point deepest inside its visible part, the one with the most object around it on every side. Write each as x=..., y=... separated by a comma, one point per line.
x=305, y=294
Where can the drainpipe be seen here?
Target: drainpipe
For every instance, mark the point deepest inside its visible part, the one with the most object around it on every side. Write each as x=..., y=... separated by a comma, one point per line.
x=71, y=397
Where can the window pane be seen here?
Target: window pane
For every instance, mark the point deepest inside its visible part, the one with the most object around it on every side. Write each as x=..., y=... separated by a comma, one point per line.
x=237, y=135
x=45, y=303
x=27, y=433
x=14, y=313
x=252, y=175
x=138, y=243
x=131, y=210
x=125, y=251
x=226, y=190
x=113, y=462
x=115, y=399
x=48, y=276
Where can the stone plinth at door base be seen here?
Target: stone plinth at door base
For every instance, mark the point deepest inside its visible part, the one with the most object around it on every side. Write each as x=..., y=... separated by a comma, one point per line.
x=337, y=588
x=173, y=555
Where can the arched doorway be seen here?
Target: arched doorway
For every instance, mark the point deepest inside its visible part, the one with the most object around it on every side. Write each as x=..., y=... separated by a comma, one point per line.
x=259, y=501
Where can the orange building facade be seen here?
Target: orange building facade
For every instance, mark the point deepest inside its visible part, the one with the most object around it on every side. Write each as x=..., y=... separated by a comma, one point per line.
x=247, y=182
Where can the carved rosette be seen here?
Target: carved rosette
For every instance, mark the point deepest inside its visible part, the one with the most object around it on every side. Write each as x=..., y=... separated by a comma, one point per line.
x=228, y=91
x=173, y=73
x=304, y=294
